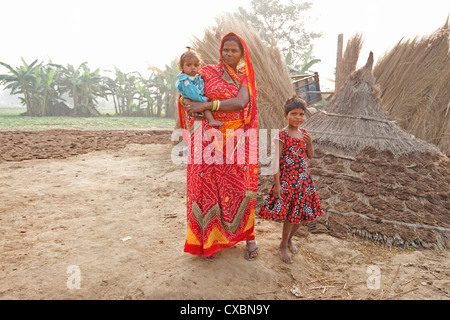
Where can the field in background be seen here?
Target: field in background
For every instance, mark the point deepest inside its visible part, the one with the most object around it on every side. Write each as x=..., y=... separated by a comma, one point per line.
x=10, y=119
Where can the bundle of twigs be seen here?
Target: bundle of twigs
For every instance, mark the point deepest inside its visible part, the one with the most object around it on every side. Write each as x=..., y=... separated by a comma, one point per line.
x=272, y=76
x=355, y=119
x=414, y=78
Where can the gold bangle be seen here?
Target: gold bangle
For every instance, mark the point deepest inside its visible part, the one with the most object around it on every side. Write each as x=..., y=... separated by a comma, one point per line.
x=214, y=105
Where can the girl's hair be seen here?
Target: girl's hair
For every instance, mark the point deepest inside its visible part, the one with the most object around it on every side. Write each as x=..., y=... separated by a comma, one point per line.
x=295, y=102
x=187, y=54
x=232, y=37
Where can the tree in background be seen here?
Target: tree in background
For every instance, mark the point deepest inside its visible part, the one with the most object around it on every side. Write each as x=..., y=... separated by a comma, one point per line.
x=83, y=85
x=35, y=82
x=282, y=24
x=165, y=81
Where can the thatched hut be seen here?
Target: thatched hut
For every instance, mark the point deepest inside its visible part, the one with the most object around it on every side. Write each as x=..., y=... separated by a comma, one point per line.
x=375, y=180
x=355, y=119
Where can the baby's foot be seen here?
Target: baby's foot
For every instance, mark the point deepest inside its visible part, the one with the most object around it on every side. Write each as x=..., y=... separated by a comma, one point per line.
x=292, y=247
x=214, y=123
x=284, y=255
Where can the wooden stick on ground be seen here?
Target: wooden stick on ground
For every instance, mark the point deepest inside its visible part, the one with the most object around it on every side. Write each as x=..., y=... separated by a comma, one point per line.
x=402, y=293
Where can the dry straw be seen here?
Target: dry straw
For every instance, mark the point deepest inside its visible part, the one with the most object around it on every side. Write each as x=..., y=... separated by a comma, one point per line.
x=355, y=119
x=272, y=76
x=347, y=62
x=414, y=78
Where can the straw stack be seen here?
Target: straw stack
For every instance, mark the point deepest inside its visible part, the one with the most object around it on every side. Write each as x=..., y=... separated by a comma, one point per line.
x=347, y=62
x=272, y=76
x=414, y=78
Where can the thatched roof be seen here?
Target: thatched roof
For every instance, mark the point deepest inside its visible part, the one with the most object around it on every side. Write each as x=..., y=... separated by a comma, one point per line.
x=272, y=76
x=414, y=78
x=355, y=119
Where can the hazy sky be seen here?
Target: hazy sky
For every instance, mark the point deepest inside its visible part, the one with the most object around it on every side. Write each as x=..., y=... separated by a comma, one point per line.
x=133, y=34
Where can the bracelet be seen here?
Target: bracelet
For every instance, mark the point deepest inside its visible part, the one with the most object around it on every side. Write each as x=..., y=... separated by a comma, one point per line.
x=214, y=105
x=218, y=105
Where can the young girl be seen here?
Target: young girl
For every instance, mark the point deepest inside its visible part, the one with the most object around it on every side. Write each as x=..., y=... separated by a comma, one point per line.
x=191, y=85
x=293, y=196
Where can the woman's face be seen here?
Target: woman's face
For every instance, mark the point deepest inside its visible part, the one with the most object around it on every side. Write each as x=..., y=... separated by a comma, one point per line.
x=231, y=53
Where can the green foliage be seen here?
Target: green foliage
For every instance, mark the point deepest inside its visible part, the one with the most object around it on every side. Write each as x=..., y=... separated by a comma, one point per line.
x=83, y=85
x=35, y=82
x=282, y=23
x=306, y=60
x=41, y=86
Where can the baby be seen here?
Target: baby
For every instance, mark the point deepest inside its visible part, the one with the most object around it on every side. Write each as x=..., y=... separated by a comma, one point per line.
x=190, y=83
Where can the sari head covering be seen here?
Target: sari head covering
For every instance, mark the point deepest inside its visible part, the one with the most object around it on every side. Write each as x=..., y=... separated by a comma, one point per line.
x=222, y=170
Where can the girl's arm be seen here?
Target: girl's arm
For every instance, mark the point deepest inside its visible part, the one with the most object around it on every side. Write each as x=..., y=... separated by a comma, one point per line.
x=309, y=145
x=232, y=104
x=276, y=166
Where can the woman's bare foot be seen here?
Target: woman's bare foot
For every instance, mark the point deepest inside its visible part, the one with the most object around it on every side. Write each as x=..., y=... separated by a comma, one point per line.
x=284, y=255
x=214, y=123
x=292, y=247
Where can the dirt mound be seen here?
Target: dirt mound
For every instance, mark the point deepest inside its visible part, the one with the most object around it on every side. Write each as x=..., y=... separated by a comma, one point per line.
x=60, y=144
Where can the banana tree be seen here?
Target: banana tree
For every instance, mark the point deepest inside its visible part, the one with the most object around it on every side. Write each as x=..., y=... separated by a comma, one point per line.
x=166, y=93
x=46, y=93
x=83, y=85
x=306, y=63
x=21, y=80
x=158, y=93
x=90, y=89
x=123, y=90
x=109, y=88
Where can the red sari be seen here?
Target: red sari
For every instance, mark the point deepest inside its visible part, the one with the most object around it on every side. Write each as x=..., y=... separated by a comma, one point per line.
x=222, y=170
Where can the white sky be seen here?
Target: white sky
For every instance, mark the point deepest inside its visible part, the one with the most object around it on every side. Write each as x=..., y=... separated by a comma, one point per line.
x=132, y=34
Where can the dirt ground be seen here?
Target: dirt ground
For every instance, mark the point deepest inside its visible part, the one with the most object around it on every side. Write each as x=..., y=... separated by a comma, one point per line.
x=101, y=215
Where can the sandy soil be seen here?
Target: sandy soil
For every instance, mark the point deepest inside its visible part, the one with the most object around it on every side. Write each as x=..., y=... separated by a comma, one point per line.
x=109, y=222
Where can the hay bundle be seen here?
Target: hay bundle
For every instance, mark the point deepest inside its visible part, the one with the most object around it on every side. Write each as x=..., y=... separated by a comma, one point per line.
x=355, y=119
x=271, y=73
x=347, y=62
x=414, y=78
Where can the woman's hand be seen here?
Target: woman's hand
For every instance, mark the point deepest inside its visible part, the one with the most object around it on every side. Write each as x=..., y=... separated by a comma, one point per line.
x=193, y=107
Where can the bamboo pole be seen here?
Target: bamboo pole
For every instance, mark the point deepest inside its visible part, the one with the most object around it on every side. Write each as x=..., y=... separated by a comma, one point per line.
x=340, y=45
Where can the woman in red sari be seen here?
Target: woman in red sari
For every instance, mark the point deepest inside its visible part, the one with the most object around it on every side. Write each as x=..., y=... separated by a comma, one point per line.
x=222, y=170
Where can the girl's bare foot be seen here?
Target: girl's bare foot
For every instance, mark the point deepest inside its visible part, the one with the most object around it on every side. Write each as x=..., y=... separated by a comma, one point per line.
x=292, y=247
x=284, y=255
